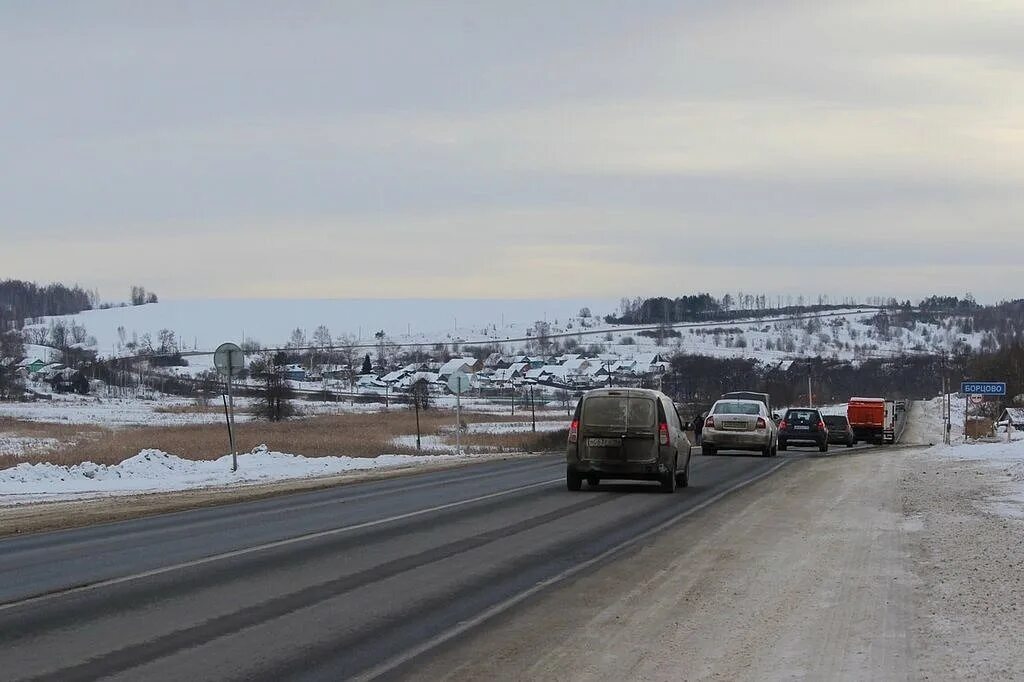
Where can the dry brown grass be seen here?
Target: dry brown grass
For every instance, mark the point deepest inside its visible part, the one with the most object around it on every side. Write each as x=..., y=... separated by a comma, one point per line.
x=355, y=435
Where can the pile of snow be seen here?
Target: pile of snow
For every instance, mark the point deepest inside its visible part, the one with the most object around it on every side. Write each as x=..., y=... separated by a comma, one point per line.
x=157, y=471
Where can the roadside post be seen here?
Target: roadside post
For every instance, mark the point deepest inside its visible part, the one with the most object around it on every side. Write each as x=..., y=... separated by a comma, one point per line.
x=229, y=361
x=458, y=383
x=533, y=404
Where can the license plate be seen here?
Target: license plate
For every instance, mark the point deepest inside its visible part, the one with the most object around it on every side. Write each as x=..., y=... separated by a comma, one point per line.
x=801, y=428
x=735, y=426
x=604, y=442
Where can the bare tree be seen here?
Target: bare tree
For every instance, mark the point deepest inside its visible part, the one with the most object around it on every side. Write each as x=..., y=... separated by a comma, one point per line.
x=274, y=400
x=11, y=350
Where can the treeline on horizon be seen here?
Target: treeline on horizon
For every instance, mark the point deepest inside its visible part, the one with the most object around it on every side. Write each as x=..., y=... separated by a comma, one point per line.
x=705, y=307
x=22, y=301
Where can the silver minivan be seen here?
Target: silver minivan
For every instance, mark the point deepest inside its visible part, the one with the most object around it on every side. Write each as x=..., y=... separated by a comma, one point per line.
x=629, y=433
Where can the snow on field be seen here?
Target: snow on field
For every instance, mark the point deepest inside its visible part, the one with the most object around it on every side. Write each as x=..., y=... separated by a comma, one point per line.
x=19, y=446
x=842, y=334
x=111, y=412
x=517, y=427
x=156, y=471
x=207, y=323
x=443, y=443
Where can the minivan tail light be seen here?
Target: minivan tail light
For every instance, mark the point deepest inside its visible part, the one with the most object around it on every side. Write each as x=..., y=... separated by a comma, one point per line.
x=663, y=434
x=761, y=423
x=574, y=431
x=709, y=423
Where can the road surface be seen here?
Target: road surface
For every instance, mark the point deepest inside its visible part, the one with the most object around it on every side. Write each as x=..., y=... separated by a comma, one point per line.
x=350, y=582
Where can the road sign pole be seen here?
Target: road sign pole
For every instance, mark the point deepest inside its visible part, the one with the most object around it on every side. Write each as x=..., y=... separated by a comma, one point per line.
x=231, y=420
x=458, y=422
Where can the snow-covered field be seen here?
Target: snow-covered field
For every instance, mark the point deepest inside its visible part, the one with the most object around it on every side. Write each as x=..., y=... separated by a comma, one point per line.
x=156, y=471
x=202, y=325
x=110, y=412
x=20, y=446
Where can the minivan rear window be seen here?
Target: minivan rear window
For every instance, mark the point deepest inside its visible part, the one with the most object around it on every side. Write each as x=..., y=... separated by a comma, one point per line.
x=618, y=411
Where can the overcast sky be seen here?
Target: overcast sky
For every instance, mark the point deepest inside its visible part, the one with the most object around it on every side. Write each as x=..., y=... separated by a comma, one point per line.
x=514, y=149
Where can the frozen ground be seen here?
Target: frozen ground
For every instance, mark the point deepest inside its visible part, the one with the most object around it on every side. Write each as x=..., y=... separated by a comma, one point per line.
x=156, y=471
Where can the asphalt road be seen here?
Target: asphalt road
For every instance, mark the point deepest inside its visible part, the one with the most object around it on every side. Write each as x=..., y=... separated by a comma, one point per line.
x=350, y=582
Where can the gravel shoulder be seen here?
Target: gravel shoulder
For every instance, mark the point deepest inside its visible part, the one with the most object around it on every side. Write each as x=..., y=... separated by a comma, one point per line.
x=867, y=566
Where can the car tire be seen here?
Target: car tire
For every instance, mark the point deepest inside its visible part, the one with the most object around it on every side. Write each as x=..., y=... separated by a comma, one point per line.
x=766, y=451
x=783, y=445
x=823, y=447
x=849, y=443
x=573, y=480
x=775, y=450
x=593, y=481
x=668, y=482
x=708, y=450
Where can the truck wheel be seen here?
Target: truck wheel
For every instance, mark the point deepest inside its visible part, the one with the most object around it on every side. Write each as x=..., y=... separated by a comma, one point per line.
x=573, y=481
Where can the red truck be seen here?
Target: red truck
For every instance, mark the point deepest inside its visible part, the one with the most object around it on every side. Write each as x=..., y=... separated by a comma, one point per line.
x=872, y=419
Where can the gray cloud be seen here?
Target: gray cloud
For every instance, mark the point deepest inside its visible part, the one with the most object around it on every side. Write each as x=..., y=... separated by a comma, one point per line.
x=604, y=148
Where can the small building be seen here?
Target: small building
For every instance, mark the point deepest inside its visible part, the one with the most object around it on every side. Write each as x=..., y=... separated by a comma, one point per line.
x=294, y=373
x=464, y=365
x=1014, y=416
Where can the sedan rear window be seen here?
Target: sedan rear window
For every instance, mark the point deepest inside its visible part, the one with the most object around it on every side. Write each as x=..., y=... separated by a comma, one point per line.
x=802, y=417
x=737, y=408
x=618, y=412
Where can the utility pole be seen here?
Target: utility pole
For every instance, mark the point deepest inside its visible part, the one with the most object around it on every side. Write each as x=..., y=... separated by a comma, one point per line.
x=810, y=395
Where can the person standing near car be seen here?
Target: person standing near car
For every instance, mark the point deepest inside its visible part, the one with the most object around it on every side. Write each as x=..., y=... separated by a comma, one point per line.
x=698, y=425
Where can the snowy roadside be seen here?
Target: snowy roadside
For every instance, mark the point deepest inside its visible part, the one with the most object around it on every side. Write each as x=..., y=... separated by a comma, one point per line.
x=154, y=471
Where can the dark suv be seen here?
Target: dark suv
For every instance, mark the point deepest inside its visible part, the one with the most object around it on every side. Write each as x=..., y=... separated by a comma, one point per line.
x=839, y=430
x=803, y=425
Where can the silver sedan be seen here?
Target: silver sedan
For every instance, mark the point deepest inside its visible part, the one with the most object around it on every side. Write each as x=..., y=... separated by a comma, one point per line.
x=740, y=425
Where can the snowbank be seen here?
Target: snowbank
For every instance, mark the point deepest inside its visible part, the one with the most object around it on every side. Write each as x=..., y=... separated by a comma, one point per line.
x=157, y=471
x=1005, y=458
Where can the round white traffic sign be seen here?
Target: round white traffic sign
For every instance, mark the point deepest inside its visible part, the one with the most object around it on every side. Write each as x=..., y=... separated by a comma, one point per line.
x=229, y=359
x=459, y=383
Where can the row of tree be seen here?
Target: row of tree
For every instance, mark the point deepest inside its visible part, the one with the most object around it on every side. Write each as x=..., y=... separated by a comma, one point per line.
x=20, y=301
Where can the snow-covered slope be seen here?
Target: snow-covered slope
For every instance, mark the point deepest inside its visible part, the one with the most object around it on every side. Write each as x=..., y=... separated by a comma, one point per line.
x=202, y=325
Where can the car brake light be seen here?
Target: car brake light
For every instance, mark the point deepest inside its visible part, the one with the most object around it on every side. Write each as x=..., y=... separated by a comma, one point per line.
x=663, y=433
x=761, y=423
x=574, y=430
x=709, y=423
x=821, y=425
